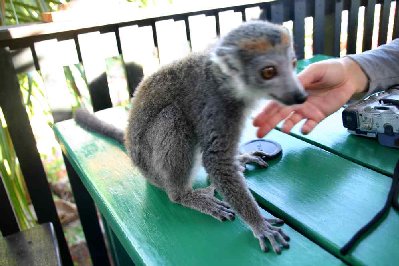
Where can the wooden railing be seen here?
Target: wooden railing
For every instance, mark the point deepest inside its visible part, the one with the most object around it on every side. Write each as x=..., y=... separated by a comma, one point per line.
x=45, y=47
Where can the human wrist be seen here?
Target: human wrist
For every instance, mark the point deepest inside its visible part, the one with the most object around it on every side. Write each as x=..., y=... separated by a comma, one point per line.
x=359, y=78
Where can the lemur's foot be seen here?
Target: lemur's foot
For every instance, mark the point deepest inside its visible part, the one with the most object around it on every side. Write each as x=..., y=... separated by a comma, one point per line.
x=274, y=221
x=254, y=157
x=272, y=234
x=203, y=200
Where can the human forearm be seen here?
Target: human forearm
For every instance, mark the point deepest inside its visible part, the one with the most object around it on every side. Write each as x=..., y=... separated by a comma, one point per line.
x=381, y=66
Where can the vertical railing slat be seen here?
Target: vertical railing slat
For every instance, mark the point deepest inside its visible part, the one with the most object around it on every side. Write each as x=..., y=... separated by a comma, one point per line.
x=88, y=218
x=118, y=41
x=217, y=20
x=318, y=26
x=155, y=38
x=188, y=34
x=243, y=15
x=265, y=13
x=277, y=12
x=352, y=26
x=384, y=20
x=368, y=25
x=332, y=28
x=337, y=28
x=8, y=221
x=26, y=150
x=395, y=33
x=78, y=50
x=299, y=27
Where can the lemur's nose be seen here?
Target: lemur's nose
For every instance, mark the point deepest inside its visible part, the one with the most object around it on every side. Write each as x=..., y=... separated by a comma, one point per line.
x=300, y=97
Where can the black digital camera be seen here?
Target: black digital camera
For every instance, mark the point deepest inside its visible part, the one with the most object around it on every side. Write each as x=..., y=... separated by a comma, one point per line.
x=375, y=116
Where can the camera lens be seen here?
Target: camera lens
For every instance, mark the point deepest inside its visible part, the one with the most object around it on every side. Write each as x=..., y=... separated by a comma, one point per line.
x=349, y=119
x=382, y=108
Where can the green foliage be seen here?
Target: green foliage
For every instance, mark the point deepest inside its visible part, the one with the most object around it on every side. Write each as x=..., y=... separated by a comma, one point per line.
x=77, y=84
x=13, y=178
x=40, y=117
x=24, y=11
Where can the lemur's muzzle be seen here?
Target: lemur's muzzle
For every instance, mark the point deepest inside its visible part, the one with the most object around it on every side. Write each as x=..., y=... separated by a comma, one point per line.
x=300, y=97
x=291, y=98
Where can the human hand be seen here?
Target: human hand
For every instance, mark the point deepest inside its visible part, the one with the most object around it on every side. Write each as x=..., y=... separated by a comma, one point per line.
x=330, y=84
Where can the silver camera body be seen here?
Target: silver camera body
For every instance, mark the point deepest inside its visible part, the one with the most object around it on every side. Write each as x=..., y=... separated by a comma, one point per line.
x=375, y=116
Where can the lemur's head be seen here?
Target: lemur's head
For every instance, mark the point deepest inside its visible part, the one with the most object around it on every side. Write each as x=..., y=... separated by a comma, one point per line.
x=260, y=61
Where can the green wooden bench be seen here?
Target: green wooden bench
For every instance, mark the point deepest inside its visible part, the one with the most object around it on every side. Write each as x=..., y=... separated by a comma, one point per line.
x=326, y=186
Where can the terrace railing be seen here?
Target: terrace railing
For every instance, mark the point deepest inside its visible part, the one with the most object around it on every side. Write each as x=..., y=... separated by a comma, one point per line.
x=47, y=46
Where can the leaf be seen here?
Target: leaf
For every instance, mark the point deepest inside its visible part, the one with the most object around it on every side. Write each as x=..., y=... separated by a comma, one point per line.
x=13, y=179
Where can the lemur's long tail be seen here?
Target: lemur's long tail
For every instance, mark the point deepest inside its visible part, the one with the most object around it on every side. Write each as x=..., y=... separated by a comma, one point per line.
x=90, y=122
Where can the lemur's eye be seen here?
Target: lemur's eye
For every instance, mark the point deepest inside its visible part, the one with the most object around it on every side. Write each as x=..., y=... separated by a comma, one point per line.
x=294, y=63
x=269, y=72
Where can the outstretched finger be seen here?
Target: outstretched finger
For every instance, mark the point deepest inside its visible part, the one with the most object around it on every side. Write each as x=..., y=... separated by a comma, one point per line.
x=291, y=121
x=273, y=121
x=308, y=126
x=270, y=109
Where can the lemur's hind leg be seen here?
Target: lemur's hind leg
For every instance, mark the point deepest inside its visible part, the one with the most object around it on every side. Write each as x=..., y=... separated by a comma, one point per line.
x=173, y=159
x=203, y=200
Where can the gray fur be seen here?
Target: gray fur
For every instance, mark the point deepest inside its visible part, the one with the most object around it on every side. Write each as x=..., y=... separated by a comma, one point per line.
x=91, y=122
x=201, y=101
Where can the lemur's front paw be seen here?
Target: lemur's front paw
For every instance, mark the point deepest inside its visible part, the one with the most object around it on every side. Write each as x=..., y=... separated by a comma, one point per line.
x=272, y=234
x=274, y=221
x=254, y=157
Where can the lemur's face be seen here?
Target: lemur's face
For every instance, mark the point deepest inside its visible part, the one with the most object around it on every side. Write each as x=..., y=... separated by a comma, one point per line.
x=273, y=75
x=261, y=62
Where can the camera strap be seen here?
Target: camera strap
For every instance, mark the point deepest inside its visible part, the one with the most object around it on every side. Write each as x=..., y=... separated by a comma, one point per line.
x=392, y=200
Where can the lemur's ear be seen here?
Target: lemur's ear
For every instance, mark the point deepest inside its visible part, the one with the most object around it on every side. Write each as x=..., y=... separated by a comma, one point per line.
x=226, y=58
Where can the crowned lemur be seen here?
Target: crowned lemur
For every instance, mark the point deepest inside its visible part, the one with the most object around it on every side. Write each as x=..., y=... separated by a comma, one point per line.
x=198, y=105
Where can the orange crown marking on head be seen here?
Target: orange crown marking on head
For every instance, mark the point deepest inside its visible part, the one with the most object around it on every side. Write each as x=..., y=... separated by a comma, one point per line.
x=285, y=38
x=259, y=46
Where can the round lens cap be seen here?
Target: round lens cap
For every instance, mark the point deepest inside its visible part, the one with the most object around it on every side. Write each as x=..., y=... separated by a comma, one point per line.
x=270, y=148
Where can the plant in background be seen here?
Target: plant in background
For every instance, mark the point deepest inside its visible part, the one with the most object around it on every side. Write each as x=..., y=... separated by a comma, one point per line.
x=77, y=85
x=13, y=178
x=25, y=11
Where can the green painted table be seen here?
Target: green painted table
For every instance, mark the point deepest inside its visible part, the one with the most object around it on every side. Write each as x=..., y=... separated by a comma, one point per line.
x=319, y=186
x=336, y=139
x=153, y=230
